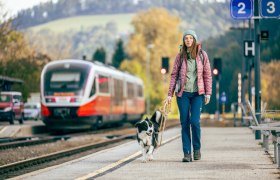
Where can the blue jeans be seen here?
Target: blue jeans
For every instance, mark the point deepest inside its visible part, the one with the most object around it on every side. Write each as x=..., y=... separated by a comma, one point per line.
x=190, y=105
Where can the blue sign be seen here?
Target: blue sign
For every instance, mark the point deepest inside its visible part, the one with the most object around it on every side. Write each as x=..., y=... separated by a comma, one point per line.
x=270, y=8
x=223, y=98
x=241, y=9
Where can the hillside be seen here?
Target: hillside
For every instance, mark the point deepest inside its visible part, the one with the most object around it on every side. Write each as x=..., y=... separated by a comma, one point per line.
x=208, y=18
x=82, y=22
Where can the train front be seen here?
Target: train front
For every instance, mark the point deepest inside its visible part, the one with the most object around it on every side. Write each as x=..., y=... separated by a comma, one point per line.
x=63, y=89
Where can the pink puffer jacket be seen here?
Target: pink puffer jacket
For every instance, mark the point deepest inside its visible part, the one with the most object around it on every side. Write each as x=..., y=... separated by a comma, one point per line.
x=204, y=77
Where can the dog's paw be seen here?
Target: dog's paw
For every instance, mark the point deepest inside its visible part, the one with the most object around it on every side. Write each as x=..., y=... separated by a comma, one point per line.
x=150, y=158
x=144, y=161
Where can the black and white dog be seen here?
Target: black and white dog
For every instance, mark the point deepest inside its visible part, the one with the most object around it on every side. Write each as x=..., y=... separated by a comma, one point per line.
x=147, y=135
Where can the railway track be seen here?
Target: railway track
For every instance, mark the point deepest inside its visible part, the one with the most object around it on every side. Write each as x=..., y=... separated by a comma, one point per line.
x=31, y=141
x=9, y=143
x=53, y=156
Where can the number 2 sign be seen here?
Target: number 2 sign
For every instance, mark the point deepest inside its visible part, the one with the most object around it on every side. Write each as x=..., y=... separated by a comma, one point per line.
x=241, y=9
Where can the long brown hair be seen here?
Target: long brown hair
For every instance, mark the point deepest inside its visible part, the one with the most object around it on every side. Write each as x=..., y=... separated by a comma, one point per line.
x=193, y=50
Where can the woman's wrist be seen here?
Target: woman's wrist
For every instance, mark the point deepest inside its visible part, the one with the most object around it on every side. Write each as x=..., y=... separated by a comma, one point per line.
x=207, y=96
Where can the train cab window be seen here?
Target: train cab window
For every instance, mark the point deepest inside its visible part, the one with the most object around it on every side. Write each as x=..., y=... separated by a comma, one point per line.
x=139, y=91
x=65, y=80
x=103, y=83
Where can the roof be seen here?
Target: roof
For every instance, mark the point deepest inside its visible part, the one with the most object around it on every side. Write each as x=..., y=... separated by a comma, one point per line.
x=10, y=79
x=10, y=92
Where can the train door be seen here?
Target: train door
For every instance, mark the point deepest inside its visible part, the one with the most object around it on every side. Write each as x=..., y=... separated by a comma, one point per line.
x=118, y=99
x=112, y=97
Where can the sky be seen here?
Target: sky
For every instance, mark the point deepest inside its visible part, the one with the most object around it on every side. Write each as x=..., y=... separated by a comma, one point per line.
x=13, y=6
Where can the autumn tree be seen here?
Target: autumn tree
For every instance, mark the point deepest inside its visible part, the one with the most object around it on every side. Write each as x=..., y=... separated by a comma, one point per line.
x=18, y=59
x=158, y=27
x=271, y=84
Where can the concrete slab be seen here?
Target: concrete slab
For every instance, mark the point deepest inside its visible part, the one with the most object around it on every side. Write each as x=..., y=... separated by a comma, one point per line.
x=30, y=128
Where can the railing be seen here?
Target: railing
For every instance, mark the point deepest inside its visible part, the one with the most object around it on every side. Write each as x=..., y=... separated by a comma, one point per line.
x=267, y=129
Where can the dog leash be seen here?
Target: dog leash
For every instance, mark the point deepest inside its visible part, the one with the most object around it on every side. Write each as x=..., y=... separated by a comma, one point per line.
x=164, y=111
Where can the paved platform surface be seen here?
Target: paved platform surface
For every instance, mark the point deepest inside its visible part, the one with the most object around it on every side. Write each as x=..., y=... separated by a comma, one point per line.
x=227, y=153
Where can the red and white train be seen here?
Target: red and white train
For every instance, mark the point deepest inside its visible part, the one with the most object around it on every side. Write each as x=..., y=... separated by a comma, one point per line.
x=78, y=94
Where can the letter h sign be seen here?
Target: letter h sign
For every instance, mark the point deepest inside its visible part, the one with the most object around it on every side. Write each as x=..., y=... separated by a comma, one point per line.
x=249, y=48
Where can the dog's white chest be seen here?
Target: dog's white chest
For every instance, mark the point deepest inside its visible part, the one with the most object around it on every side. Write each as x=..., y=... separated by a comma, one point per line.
x=145, y=139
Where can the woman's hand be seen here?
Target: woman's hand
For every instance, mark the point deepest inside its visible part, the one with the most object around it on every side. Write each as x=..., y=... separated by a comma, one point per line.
x=206, y=99
x=168, y=100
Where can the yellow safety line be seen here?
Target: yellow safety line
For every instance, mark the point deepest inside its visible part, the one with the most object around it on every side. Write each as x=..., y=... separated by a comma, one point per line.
x=110, y=166
x=113, y=165
x=3, y=129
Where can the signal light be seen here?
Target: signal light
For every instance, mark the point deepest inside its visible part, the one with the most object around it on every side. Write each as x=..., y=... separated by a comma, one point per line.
x=163, y=71
x=218, y=64
x=215, y=72
x=164, y=64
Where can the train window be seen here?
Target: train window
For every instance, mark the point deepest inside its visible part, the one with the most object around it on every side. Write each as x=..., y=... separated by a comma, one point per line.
x=16, y=98
x=103, y=83
x=93, y=89
x=140, y=91
x=130, y=90
x=118, y=92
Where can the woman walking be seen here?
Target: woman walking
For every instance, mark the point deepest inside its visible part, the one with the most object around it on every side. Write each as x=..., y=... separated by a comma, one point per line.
x=192, y=69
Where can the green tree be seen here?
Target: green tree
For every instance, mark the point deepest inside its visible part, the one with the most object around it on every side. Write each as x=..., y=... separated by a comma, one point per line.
x=119, y=54
x=99, y=55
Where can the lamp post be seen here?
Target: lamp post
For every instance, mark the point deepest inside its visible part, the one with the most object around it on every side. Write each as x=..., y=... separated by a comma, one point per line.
x=149, y=47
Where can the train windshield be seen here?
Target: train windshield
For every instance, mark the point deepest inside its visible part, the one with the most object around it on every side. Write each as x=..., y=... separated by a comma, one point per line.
x=65, y=82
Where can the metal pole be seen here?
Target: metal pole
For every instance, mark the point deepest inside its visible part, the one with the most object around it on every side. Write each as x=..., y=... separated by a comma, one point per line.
x=217, y=99
x=243, y=75
x=257, y=67
x=149, y=47
x=249, y=65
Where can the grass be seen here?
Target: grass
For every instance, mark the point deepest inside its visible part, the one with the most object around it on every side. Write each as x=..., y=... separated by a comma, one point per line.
x=81, y=22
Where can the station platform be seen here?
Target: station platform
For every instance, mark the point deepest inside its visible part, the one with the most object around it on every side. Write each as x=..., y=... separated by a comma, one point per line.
x=227, y=153
x=29, y=128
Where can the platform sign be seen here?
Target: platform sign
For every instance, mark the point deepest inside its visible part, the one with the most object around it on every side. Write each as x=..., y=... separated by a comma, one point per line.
x=223, y=98
x=241, y=9
x=270, y=8
x=249, y=48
